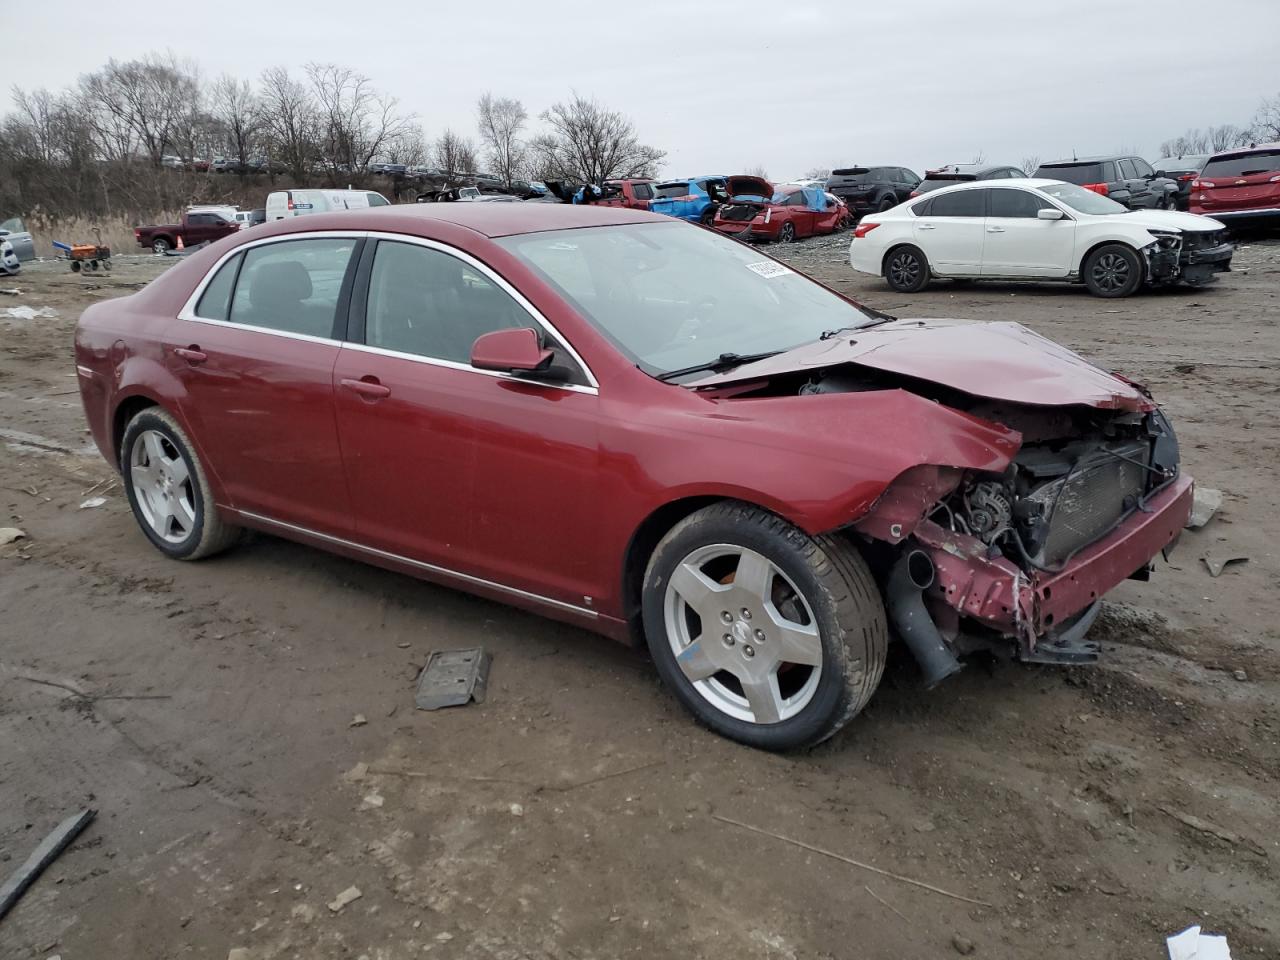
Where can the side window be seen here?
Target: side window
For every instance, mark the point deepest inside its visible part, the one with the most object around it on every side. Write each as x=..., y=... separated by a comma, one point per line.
x=1126, y=169
x=430, y=304
x=1006, y=202
x=796, y=200
x=1109, y=172
x=961, y=203
x=378, y=200
x=642, y=191
x=292, y=286
x=1143, y=168
x=13, y=226
x=215, y=302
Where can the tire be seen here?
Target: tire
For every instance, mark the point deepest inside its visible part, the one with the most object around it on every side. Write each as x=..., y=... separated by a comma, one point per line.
x=1168, y=203
x=159, y=245
x=171, y=499
x=1113, y=270
x=823, y=607
x=906, y=269
x=787, y=233
x=708, y=217
x=888, y=203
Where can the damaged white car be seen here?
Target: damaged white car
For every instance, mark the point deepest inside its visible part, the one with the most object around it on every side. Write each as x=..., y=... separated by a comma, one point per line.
x=1037, y=230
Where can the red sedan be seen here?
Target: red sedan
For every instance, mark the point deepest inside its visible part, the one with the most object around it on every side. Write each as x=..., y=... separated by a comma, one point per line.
x=643, y=428
x=791, y=213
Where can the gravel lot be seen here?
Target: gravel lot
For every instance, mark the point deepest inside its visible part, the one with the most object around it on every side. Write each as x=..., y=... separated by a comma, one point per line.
x=207, y=711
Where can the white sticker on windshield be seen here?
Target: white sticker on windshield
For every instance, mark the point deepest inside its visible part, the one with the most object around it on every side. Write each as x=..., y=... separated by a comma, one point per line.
x=768, y=269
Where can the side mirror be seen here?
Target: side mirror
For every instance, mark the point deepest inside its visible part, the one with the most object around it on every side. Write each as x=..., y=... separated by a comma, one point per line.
x=515, y=350
x=1050, y=213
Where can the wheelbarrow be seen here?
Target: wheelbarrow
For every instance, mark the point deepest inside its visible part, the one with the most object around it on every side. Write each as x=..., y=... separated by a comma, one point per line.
x=86, y=256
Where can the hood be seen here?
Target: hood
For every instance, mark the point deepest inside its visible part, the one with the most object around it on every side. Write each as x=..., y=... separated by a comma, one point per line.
x=1170, y=220
x=1000, y=361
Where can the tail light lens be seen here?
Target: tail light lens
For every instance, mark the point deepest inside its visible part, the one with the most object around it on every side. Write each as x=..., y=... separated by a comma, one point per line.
x=1185, y=177
x=291, y=203
x=1098, y=188
x=1203, y=185
x=1275, y=179
x=863, y=229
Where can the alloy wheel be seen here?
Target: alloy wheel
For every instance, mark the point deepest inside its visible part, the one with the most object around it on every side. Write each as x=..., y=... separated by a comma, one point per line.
x=787, y=233
x=1111, y=272
x=743, y=634
x=904, y=269
x=162, y=486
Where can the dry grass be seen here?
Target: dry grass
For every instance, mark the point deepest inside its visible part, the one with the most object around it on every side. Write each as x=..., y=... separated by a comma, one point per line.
x=116, y=232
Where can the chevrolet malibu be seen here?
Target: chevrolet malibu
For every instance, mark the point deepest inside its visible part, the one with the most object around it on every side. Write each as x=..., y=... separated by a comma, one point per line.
x=642, y=428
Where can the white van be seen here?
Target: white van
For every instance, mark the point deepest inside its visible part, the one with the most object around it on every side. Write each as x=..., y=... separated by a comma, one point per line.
x=296, y=203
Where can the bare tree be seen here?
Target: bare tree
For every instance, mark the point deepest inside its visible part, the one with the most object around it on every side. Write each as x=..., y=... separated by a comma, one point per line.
x=143, y=102
x=454, y=153
x=236, y=108
x=1266, y=122
x=410, y=148
x=817, y=173
x=289, y=120
x=501, y=119
x=357, y=124
x=978, y=157
x=589, y=143
x=1030, y=164
x=1190, y=142
x=757, y=171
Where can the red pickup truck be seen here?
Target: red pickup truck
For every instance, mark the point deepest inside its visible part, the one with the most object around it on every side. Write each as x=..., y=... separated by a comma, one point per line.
x=194, y=228
x=633, y=194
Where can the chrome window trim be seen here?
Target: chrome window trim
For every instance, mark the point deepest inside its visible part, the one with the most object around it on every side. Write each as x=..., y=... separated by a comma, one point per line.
x=188, y=309
x=422, y=565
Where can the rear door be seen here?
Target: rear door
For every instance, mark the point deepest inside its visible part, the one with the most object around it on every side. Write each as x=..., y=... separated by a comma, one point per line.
x=255, y=351
x=802, y=218
x=1241, y=182
x=951, y=230
x=1019, y=244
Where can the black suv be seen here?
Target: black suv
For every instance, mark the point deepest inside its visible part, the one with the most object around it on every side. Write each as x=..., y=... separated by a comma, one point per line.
x=872, y=189
x=954, y=173
x=1127, y=180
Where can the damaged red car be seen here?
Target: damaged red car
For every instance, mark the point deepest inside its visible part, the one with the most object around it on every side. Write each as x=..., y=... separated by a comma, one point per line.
x=642, y=428
x=791, y=213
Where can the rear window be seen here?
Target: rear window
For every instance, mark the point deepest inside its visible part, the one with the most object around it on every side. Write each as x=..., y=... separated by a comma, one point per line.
x=1077, y=173
x=377, y=200
x=669, y=190
x=853, y=175
x=1241, y=165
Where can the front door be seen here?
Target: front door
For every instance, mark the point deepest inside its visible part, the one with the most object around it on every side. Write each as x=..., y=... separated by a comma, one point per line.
x=1018, y=243
x=951, y=231
x=255, y=358
x=480, y=473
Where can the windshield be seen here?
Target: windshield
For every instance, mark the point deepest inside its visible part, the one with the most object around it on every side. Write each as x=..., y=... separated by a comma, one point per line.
x=672, y=295
x=1086, y=201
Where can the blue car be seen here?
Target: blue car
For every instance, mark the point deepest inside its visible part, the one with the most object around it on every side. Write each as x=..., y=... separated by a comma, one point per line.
x=697, y=198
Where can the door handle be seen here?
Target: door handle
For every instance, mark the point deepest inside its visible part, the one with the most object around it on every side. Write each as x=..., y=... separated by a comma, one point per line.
x=927, y=226
x=369, y=388
x=995, y=229
x=192, y=354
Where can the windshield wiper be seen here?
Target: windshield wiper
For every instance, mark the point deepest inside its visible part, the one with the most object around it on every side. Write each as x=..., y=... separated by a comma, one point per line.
x=726, y=361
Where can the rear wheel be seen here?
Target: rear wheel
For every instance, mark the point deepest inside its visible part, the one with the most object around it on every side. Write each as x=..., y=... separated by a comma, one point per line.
x=768, y=636
x=888, y=203
x=708, y=217
x=906, y=269
x=168, y=490
x=787, y=233
x=1112, y=271
x=160, y=245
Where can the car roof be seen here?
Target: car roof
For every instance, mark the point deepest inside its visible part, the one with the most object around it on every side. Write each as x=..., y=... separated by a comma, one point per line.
x=1101, y=158
x=486, y=219
x=1245, y=151
x=1033, y=182
x=971, y=168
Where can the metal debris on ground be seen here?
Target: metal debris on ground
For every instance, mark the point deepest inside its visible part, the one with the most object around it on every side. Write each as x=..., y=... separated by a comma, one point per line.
x=1191, y=944
x=1204, y=505
x=10, y=534
x=45, y=854
x=347, y=896
x=452, y=678
x=1217, y=564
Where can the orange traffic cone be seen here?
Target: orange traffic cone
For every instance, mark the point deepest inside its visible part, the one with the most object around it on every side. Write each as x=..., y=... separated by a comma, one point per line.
x=180, y=247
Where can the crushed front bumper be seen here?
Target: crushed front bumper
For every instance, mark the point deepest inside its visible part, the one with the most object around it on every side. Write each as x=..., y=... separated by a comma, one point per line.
x=998, y=595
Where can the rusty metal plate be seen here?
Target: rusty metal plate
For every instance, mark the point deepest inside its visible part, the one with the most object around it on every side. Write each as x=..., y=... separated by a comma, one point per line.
x=452, y=678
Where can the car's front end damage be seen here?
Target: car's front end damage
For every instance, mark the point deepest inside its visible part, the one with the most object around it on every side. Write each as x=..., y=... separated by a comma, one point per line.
x=1193, y=257
x=1006, y=546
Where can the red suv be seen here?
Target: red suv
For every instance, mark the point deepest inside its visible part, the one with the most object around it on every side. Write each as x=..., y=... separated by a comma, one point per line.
x=1240, y=184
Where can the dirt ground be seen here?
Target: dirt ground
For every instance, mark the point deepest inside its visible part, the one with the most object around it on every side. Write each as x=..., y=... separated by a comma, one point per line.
x=207, y=711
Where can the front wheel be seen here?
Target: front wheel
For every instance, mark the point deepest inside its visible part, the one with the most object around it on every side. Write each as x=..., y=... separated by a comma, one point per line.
x=768, y=636
x=907, y=269
x=168, y=490
x=1112, y=271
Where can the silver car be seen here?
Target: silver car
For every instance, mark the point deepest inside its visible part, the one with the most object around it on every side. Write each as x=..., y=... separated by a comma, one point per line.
x=17, y=234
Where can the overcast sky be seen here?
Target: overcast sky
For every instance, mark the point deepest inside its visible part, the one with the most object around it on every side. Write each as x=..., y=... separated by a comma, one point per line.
x=722, y=86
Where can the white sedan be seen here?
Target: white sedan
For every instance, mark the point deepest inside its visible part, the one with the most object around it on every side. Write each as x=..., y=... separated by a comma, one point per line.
x=1037, y=230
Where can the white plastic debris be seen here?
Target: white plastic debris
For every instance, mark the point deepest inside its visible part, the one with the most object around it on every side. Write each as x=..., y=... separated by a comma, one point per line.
x=1191, y=944
x=10, y=534
x=346, y=896
x=1204, y=504
x=93, y=502
x=29, y=313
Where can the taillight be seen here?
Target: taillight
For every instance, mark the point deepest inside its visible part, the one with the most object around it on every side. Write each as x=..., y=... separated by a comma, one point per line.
x=862, y=229
x=1275, y=179
x=1186, y=176
x=1203, y=185
x=290, y=203
x=913, y=193
x=1098, y=188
